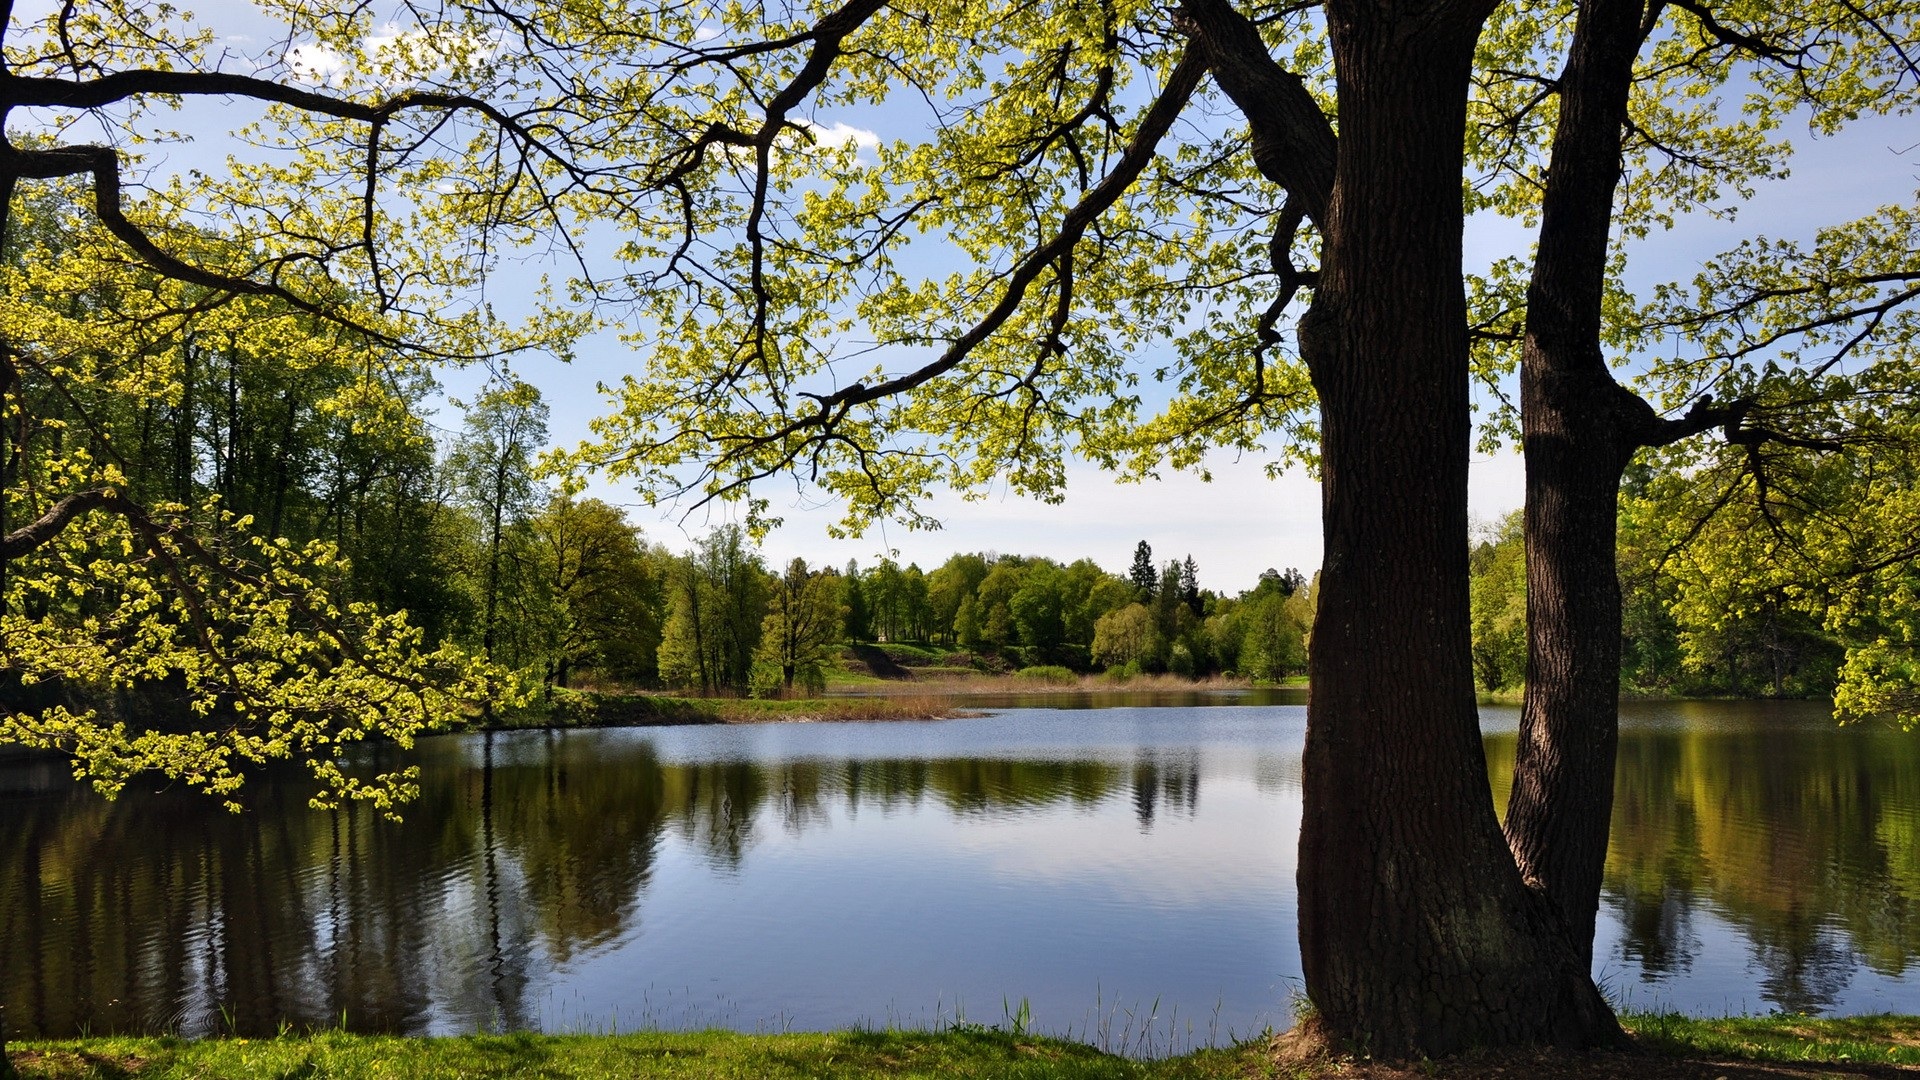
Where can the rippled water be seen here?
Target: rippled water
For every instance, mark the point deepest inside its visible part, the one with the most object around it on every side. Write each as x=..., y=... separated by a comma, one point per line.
x=1119, y=868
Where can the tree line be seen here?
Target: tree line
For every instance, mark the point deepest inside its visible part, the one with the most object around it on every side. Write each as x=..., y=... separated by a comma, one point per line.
x=1733, y=611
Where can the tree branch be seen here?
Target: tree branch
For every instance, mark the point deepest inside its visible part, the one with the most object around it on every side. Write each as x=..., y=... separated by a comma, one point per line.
x=1293, y=143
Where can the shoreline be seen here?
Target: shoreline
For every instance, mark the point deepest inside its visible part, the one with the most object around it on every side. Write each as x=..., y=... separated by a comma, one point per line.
x=882, y=701
x=1662, y=1047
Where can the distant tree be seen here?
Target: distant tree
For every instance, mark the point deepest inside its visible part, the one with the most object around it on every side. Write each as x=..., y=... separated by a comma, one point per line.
x=916, y=603
x=1171, y=615
x=1125, y=636
x=966, y=624
x=1273, y=633
x=853, y=601
x=1776, y=590
x=492, y=468
x=1088, y=593
x=1498, y=569
x=1038, y=607
x=602, y=594
x=1144, y=577
x=803, y=621
x=885, y=592
x=952, y=582
x=1190, y=586
x=994, y=601
x=718, y=603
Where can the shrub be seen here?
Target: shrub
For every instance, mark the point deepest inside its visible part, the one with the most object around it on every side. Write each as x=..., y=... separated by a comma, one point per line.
x=1049, y=673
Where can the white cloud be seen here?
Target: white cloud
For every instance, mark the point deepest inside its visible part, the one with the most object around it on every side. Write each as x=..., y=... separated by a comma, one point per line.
x=841, y=134
x=323, y=65
x=316, y=64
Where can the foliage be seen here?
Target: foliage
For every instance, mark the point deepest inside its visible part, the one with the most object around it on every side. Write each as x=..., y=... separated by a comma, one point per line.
x=205, y=537
x=802, y=624
x=717, y=605
x=601, y=592
x=218, y=496
x=1498, y=569
x=1124, y=636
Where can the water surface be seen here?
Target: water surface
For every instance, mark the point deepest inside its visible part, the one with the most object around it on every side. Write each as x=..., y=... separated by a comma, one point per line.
x=1108, y=865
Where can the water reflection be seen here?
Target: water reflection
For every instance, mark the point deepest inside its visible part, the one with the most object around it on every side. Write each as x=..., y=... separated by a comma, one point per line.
x=523, y=854
x=1798, y=837
x=819, y=875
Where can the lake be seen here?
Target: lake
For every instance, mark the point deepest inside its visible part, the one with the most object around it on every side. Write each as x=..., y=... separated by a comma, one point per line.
x=1127, y=871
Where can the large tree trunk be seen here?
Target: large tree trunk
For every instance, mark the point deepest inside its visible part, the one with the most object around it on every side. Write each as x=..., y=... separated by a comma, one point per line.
x=1580, y=428
x=1417, y=932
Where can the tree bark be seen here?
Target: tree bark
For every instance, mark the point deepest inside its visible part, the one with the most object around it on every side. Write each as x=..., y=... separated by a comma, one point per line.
x=1579, y=429
x=1418, y=935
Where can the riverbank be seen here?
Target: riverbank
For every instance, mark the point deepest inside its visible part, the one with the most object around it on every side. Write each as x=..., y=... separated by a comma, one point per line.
x=1666, y=1048
x=865, y=701
x=590, y=709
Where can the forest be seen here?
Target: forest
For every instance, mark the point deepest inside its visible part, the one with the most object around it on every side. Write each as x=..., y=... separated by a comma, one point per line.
x=472, y=536
x=479, y=546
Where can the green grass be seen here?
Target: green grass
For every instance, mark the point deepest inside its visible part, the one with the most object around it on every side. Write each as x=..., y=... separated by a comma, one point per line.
x=960, y=1052
x=1866, y=1040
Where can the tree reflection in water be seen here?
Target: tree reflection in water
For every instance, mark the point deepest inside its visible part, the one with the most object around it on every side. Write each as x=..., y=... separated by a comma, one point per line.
x=1788, y=853
x=1804, y=837
x=160, y=911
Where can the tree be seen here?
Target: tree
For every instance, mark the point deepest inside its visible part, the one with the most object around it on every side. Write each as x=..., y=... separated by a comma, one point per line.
x=1038, y=608
x=717, y=608
x=803, y=622
x=949, y=586
x=1124, y=636
x=1144, y=577
x=1407, y=880
x=150, y=582
x=492, y=464
x=1581, y=428
x=1499, y=599
x=756, y=243
x=1269, y=631
x=859, y=612
x=600, y=595
x=1190, y=587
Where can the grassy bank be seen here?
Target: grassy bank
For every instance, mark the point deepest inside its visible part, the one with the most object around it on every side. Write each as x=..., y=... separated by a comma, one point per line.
x=579, y=709
x=1666, y=1047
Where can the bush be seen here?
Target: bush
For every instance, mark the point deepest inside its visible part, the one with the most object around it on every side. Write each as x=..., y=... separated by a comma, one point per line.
x=1049, y=673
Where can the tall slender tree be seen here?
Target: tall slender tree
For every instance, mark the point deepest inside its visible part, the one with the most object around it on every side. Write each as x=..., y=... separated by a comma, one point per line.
x=492, y=464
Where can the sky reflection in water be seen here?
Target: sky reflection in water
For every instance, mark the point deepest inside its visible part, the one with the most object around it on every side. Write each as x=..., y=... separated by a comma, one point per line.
x=1091, y=861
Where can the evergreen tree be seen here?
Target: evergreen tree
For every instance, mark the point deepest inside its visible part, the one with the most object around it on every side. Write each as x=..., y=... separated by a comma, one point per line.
x=1144, y=577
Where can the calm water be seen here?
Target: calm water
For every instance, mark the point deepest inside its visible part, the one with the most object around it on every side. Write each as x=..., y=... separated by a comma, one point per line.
x=1094, y=862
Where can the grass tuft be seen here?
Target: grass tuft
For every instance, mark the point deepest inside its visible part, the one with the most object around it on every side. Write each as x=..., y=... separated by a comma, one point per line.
x=1784, y=1037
